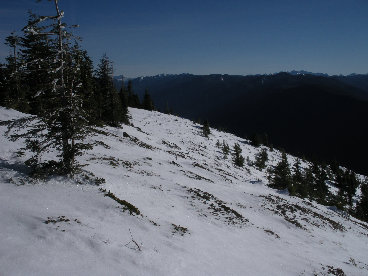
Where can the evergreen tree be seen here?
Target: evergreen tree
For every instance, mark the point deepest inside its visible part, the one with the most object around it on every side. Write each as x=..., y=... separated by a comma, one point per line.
x=168, y=110
x=37, y=53
x=124, y=103
x=255, y=140
x=308, y=182
x=347, y=183
x=335, y=168
x=147, y=101
x=110, y=106
x=237, y=157
x=297, y=172
x=206, y=129
x=259, y=139
x=225, y=149
x=62, y=124
x=261, y=159
x=88, y=85
x=301, y=188
x=15, y=94
x=362, y=205
x=320, y=187
x=133, y=99
x=249, y=162
x=3, y=90
x=218, y=143
x=280, y=176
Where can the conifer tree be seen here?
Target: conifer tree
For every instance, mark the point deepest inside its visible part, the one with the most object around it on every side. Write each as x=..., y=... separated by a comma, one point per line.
x=308, y=182
x=62, y=124
x=249, y=162
x=298, y=180
x=237, y=157
x=225, y=149
x=124, y=103
x=206, y=129
x=280, y=177
x=168, y=110
x=218, y=143
x=3, y=89
x=261, y=159
x=37, y=53
x=255, y=140
x=362, y=205
x=87, y=88
x=133, y=99
x=110, y=107
x=347, y=183
x=320, y=187
x=147, y=101
x=15, y=94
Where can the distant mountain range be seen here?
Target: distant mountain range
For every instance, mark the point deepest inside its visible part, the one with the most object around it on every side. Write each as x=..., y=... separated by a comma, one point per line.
x=302, y=72
x=315, y=115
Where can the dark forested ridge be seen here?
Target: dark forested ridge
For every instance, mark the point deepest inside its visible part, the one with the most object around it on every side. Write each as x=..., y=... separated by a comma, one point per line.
x=314, y=116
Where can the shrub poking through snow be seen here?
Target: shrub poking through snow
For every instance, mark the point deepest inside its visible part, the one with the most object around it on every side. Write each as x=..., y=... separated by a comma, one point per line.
x=177, y=229
x=126, y=205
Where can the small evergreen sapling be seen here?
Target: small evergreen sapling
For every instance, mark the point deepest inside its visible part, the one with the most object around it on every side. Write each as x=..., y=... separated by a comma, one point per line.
x=237, y=157
x=280, y=176
x=249, y=162
x=225, y=149
x=261, y=159
x=218, y=144
x=206, y=129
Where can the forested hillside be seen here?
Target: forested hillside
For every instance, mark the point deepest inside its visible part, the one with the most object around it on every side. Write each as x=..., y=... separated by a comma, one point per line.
x=318, y=117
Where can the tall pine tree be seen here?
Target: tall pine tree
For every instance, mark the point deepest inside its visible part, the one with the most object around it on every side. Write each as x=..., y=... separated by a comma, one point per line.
x=109, y=104
x=133, y=99
x=37, y=55
x=62, y=123
x=124, y=103
x=147, y=101
x=15, y=93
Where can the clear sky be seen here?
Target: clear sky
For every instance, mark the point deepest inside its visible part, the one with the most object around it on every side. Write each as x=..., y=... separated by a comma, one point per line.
x=149, y=37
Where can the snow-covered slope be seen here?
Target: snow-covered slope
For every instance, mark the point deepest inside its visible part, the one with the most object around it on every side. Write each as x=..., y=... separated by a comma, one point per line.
x=176, y=207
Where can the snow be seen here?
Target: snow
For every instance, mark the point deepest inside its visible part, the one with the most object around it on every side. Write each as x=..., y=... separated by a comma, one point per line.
x=189, y=198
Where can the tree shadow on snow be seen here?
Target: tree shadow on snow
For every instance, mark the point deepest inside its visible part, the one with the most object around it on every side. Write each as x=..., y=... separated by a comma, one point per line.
x=21, y=169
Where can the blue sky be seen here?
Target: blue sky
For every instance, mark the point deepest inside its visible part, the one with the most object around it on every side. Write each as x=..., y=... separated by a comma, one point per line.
x=202, y=37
